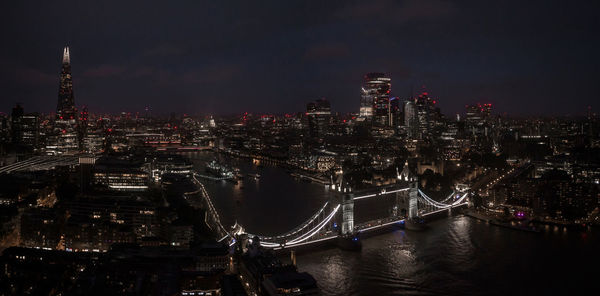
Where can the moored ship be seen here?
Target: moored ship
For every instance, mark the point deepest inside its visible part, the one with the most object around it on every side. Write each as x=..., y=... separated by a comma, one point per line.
x=219, y=170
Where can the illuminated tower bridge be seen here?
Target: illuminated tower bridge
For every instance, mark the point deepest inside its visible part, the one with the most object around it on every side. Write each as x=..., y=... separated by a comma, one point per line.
x=349, y=213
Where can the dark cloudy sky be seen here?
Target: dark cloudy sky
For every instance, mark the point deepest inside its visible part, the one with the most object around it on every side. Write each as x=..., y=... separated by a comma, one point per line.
x=526, y=57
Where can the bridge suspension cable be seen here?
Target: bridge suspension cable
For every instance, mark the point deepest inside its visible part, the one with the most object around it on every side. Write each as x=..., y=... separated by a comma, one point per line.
x=449, y=196
x=316, y=229
x=303, y=237
x=438, y=204
x=299, y=227
x=430, y=201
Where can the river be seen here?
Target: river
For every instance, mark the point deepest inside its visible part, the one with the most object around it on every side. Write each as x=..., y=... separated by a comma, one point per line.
x=456, y=255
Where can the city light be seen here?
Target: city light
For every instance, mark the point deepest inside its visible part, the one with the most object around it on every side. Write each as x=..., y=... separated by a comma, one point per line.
x=236, y=148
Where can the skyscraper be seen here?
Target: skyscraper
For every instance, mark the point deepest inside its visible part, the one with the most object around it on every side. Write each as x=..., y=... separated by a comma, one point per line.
x=375, y=99
x=396, y=111
x=410, y=118
x=318, y=113
x=473, y=114
x=428, y=114
x=65, y=136
x=25, y=128
x=476, y=117
x=65, y=109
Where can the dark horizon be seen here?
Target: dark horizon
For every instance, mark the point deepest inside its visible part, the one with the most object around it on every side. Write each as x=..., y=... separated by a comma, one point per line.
x=525, y=58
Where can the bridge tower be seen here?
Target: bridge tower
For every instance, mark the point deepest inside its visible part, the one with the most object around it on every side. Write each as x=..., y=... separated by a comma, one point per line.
x=413, y=210
x=343, y=196
x=347, y=213
x=413, y=183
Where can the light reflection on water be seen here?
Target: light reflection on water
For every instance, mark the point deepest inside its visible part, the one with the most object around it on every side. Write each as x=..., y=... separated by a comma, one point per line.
x=272, y=205
x=454, y=256
x=458, y=256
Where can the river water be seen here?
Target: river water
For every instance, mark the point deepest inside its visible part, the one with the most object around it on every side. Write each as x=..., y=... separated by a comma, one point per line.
x=455, y=256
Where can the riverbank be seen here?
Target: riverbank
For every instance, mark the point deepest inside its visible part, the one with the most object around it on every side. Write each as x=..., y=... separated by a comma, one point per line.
x=521, y=225
x=533, y=225
x=295, y=171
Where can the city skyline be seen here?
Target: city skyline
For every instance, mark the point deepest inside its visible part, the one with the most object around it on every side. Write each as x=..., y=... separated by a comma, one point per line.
x=299, y=147
x=375, y=98
x=176, y=60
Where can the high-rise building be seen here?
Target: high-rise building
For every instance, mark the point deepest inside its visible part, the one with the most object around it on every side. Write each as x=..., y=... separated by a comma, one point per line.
x=477, y=116
x=24, y=127
x=427, y=114
x=410, y=118
x=66, y=133
x=477, y=113
x=375, y=100
x=396, y=111
x=318, y=113
x=5, y=132
x=473, y=114
x=83, y=125
x=486, y=110
x=65, y=109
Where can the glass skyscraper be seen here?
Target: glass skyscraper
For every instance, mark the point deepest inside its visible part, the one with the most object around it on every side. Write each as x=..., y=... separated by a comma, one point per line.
x=375, y=99
x=65, y=109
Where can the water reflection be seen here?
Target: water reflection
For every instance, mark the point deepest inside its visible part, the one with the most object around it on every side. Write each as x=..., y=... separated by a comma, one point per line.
x=269, y=205
x=454, y=256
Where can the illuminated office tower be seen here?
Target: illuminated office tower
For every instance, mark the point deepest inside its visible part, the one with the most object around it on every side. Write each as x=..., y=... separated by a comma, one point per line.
x=428, y=115
x=65, y=109
x=24, y=127
x=410, y=118
x=477, y=118
x=375, y=99
x=396, y=111
x=318, y=113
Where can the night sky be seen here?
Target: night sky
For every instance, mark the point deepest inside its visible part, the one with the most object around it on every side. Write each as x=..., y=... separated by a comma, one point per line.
x=525, y=57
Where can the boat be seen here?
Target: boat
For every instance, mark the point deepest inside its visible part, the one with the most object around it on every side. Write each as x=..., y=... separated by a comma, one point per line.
x=516, y=225
x=238, y=173
x=255, y=176
x=219, y=170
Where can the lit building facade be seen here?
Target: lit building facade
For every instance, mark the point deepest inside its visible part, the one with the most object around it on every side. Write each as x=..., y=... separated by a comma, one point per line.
x=476, y=117
x=24, y=128
x=65, y=109
x=66, y=133
x=120, y=175
x=375, y=99
x=410, y=118
x=396, y=111
x=318, y=114
x=427, y=114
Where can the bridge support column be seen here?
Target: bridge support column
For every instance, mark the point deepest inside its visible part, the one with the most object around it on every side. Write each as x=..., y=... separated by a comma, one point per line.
x=413, y=210
x=347, y=213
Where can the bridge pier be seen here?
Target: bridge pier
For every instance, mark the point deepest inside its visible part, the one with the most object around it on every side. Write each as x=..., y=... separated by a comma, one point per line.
x=348, y=237
x=413, y=209
x=413, y=190
x=347, y=214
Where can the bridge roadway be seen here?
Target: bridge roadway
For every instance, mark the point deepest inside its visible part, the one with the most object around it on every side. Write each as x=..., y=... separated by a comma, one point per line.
x=212, y=218
x=317, y=235
x=40, y=163
x=323, y=225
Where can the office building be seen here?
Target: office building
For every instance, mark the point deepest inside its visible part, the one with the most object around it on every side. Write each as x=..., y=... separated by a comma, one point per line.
x=318, y=114
x=375, y=99
x=24, y=128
